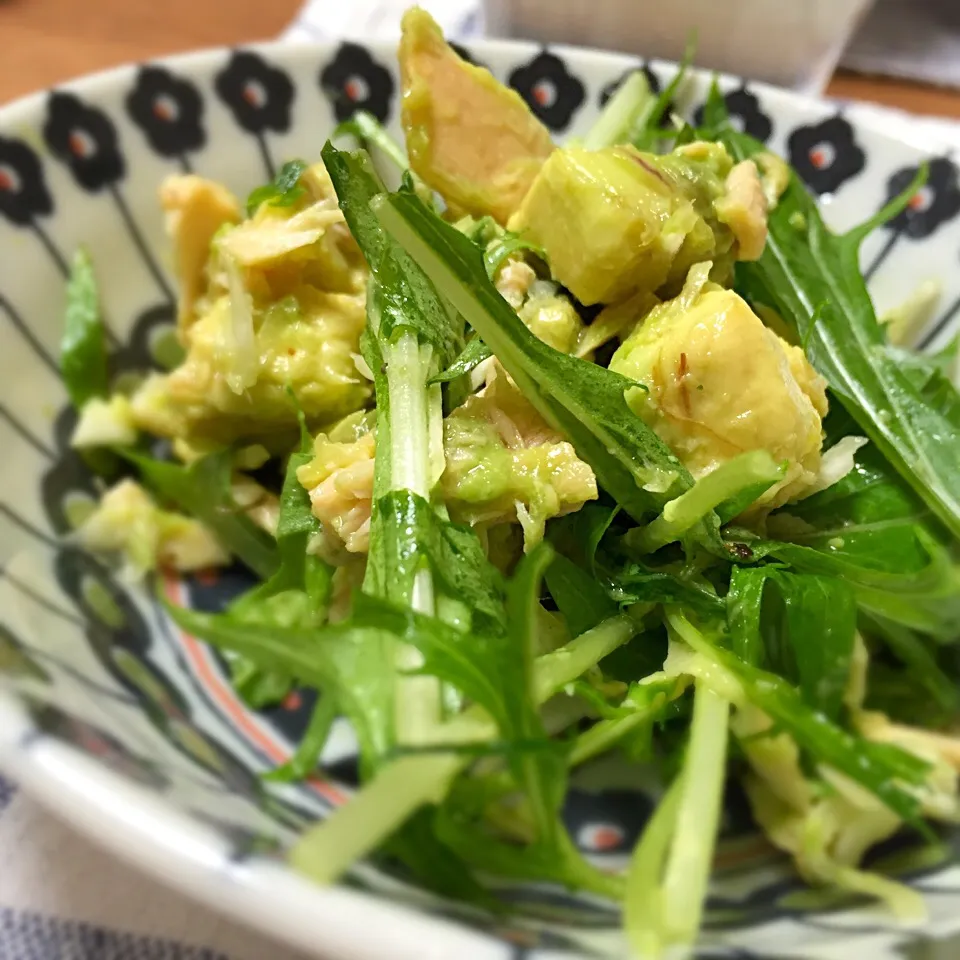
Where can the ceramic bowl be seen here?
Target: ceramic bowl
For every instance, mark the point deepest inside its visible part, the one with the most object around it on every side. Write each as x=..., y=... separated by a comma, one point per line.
x=129, y=729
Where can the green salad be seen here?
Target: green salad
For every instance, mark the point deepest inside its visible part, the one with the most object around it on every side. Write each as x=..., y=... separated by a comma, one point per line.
x=546, y=454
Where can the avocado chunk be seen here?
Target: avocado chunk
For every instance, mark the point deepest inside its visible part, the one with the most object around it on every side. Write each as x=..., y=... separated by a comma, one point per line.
x=305, y=342
x=339, y=480
x=616, y=222
x=128, y=522
x=719, y=383
x=278, y=305
x=469, y=137
x=503, y=465
x=195, y=210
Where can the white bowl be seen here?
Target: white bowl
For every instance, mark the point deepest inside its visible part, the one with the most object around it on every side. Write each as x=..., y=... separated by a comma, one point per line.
x=128, y=729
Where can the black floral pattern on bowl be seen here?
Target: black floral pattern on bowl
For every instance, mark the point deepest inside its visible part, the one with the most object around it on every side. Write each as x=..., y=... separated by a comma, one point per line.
x=258, y=94
x=106, y=607
x=85, y=139
x=23, y=190
x=169, y=111
x=826, y=155
x=67, y=481
x=745, y=112
x=936, y=202
x=608, y=821
x=353, y=81
x=552, y=92
x=138, y=353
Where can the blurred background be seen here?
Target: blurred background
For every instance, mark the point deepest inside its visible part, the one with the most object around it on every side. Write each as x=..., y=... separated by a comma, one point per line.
x=902, y=53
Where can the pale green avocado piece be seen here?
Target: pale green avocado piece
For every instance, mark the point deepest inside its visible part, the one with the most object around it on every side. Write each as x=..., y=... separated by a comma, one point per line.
x=504, y=464
x=487, y=483
x=196, y=209
x=719, y=383
x=552, y=317
x=278, y=305
x=105, y=423
x=128, y=522
x=307, y=342
x=468, y=136
x=615, y=222
x=339, y=479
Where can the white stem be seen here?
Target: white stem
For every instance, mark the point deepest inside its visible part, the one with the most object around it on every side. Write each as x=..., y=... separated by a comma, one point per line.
x=409, y=436
x=418, y=700
x=326, y=850
x=680, y=514
x=698, y=818
x=620, y=113
x=579, y=655
x=438, y=461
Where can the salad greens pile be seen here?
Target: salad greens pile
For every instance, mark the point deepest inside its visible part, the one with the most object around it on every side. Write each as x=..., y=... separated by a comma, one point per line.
x=545, y=454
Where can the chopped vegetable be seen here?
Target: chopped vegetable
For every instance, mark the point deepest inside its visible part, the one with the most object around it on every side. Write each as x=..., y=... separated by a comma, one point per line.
x=204, y=490
x=646, y=220
x=83, y=349
x=484, y=166
x=129, y=523
x=284, y=191
x=105, y=423
x=719, y=384
x=581, y=399
x=196, y=209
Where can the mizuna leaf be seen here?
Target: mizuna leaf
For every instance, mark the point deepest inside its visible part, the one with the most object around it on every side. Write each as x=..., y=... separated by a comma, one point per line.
x=811, y=277
x=283, y=191
x=408, y=299
x=83, y=351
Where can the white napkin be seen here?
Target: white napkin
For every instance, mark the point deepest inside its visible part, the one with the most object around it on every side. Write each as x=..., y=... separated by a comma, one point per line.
x=64, y=898
x=370, y=19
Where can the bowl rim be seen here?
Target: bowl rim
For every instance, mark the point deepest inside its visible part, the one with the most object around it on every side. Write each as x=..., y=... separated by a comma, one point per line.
x=338, y=921
x=164, y=842
x=191, y=59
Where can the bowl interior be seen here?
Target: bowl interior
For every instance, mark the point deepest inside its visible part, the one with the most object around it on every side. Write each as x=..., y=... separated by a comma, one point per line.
x=106, y=708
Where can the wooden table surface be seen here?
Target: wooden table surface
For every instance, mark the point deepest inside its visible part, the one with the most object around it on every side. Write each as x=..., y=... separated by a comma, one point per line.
x=43, y=42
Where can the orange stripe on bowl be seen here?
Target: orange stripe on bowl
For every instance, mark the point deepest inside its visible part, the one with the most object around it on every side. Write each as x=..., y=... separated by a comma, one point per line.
x=226, y=698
